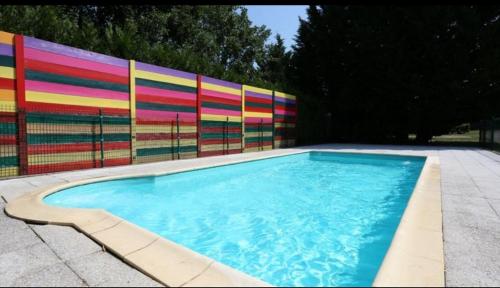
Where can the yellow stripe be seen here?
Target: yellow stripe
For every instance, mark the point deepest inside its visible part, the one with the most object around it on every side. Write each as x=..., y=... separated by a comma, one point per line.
x=257, y=134
x=75, y=100
x=164, y=143
x=165, y=78
x=7, y=72
x=8, y=150
x=210, y=117
x=254, y=149
x=285, y=125
x=133, y=129
x=243, y=115
x=216, y=147
x=41, y=159
x=7, y=95
x=8, y=106
x=11, y=171
x=258, y=114
x=164, y=128
x=284, y=95
x=218, y=88
x=45, y=128
x=258, y=90
x=6, y=38
x=165, y=157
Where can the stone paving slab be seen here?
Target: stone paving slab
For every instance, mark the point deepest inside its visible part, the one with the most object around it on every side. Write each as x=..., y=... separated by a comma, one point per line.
x=104, y=270
x=57, y=275
x=66, y=242
x=470, y=179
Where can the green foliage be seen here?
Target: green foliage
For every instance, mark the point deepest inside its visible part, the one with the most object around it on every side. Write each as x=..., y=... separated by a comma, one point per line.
x=385, y=72
x=217, y=41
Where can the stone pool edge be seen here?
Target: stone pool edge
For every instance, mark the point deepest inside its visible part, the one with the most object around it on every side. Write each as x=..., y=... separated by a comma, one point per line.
x=176, y=265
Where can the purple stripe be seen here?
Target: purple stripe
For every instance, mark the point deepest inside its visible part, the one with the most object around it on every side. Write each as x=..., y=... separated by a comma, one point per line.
x=284, y=100
x=258, y=95
x=210, y=80
x=164, y=70
x=73, y=52
x=7, y=50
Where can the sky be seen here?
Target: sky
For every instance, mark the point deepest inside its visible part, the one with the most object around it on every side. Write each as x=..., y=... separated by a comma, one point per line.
x=282, y=19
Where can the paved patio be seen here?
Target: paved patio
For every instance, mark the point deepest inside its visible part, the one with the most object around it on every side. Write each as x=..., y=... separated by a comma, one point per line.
x=48, y=255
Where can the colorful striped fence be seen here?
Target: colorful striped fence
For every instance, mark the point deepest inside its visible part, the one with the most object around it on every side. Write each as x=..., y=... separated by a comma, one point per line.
x=285, y=117
x=63, y=108
x=258, y=115
x=220, y=117
x=8, y=127
x=166, y=105
x=66, y=90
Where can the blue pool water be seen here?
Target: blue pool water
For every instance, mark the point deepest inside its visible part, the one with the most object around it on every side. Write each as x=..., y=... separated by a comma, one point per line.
x=310, y=219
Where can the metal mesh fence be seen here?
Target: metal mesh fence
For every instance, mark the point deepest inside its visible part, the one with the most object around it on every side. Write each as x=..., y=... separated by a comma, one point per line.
x=9, y=161
x=489, y=133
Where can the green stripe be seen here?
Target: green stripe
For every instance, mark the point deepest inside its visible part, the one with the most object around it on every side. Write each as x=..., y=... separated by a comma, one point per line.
x=56, y=78
x=8, y=161
x=258, y=139
x=165, y=107
x=75, y=138
x=208, y=123
x=277, y=116
x=74, y=119
x=260, y=105
x=220, y=106
x=164, y=85
x=165, y=150
x=7, y=61
x=219, y=135
x=8, y=128
x=256, y=129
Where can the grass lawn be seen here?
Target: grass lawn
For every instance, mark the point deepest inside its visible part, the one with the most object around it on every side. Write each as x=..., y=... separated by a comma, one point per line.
x=471, y=136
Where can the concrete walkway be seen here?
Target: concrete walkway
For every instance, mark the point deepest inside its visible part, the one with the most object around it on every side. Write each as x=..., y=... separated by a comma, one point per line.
x=48, y=255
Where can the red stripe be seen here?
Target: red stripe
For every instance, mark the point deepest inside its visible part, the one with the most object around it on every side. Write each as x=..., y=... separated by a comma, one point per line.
x=65, y=109
x=220, y=141
x=164, y=100
x=75, y=147
x=220, y=130
x=164, y=136
x=198, y=114
x=167, y=122
x=7, y=118
x=283, y=107
x=258, y=109
x=8, y=139
x=258, y=100
x=7, y=84
x=67, y=166
x=257, y=144
x=221, y=100
x=219, y=152
x=257, y=125
x=75, y=72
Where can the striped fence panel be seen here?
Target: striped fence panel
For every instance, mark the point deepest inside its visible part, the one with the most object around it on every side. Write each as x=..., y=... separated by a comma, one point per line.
x=66, y=90
x=220, y=122
x=258, y=118
x=166, y=124
x=285, y=117
x=8, y=128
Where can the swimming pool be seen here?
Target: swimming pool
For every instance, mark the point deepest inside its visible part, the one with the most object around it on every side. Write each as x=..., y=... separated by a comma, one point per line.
x=309, y=219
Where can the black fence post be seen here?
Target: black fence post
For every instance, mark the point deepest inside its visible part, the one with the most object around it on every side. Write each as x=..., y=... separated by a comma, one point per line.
x=227, y=135
x=178, y=139
x=101, y=136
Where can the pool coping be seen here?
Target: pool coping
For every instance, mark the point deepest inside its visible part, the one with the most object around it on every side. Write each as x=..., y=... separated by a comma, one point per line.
x=175, y=265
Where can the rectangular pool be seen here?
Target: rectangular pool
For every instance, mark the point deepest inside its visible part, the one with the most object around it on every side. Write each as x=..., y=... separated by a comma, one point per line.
x=308, y=219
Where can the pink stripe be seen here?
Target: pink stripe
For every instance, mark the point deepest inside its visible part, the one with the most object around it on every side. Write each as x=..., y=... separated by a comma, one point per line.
x=165, y=115
x=257, y=120
x=284, y=112
x=220, y=111
x=73, y=62
x=75, y=90
x=164, y=93
x=220, y=95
